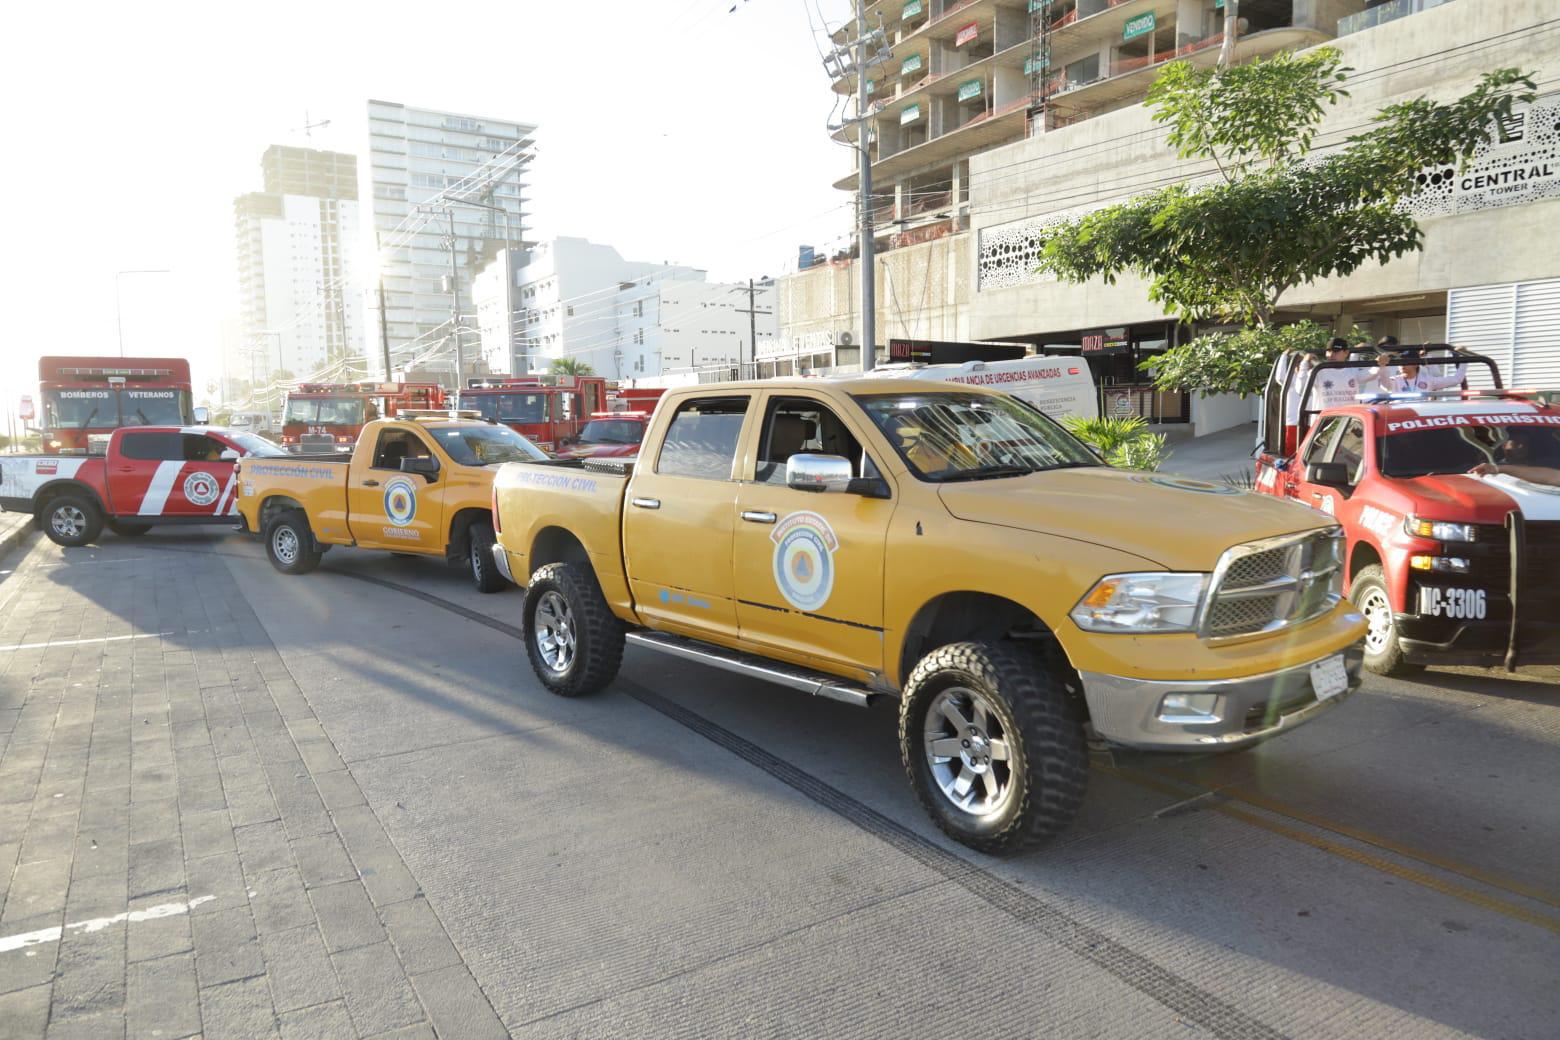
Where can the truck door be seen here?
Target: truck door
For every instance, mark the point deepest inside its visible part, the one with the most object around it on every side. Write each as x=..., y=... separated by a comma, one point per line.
x=145, y=475
x=809, y=565
x=1318, y=448
x=391, y=509
x=678, y=520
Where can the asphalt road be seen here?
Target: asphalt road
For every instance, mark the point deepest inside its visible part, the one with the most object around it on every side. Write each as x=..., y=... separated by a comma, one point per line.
x=693, y=854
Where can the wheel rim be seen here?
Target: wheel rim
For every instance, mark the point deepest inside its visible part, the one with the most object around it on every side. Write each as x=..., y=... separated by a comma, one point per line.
x=968, y=751
x=1378, y=615
x=68, y=522
x=553, y=632
x=284, y=543
x=476, y=560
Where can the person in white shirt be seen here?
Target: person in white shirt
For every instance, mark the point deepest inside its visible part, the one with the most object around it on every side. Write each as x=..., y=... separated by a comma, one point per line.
x=1338, y=387
x=1410, y=377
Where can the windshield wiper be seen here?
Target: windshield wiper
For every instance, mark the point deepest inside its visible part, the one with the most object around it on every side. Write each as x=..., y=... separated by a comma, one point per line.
x=989, y=471
x=90, y=416
x=1073, y=465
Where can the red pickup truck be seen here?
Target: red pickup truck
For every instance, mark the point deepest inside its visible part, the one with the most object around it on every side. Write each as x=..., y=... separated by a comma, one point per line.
x=148, y=475
x=1448, y=566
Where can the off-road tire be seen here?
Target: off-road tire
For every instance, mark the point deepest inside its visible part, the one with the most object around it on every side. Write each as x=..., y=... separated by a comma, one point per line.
x=126, y=529
x=1389, y=659
x=479, y=555
x=72, y=521
x=304, y=555
x=598, y=634
x=1049, y=760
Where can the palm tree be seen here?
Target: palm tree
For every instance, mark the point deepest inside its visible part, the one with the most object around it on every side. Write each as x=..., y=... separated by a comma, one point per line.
x=571, y=367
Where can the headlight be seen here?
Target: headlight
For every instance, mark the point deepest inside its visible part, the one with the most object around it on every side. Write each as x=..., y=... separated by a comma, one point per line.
x=1440, y=530
x=1444, y=564
x=1142, y=603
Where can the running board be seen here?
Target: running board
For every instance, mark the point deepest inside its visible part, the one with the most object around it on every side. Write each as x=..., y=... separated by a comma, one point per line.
x=755, y=667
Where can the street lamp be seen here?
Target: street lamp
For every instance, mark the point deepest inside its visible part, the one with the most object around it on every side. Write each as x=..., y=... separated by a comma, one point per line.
x=119, y=318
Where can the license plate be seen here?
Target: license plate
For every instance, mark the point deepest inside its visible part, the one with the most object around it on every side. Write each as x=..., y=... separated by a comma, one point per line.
x=1467, y=604
x=1329, y=678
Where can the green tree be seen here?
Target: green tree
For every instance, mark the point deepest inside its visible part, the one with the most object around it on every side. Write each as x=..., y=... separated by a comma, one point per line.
x=570, y=367
x=1273, y=216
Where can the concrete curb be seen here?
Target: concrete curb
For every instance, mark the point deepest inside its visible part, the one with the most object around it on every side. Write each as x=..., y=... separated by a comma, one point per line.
x=13, y=535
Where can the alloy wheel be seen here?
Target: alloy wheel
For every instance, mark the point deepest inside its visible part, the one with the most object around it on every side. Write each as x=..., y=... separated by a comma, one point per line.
x=968, y=751
x=68, y=522
x=553, y=631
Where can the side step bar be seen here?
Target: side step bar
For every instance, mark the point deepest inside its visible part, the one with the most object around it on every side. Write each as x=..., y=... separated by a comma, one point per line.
x=755, y=667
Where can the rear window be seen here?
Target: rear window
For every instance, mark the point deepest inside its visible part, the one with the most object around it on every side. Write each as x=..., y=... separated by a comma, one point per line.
x=702, y=438
x=161, y=447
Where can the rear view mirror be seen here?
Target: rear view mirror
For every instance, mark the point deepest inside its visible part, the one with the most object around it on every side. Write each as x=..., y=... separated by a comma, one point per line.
x=202, y=416
x=1328, y=474
x=806, y=472
x=428, y=467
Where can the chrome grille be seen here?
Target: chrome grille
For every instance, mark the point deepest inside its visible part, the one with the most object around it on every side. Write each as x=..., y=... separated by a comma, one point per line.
x=1272, y=584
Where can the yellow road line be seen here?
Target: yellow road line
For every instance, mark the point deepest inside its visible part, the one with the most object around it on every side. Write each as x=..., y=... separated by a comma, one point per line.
x=1366, y=859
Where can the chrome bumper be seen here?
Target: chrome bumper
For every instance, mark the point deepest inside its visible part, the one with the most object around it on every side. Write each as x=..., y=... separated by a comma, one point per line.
x=1248, y=710
x=501, y=558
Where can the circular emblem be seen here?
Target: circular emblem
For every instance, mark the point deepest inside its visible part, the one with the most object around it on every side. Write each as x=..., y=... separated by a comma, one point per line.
x=804, y=559
x=201, y=489
x=401, y=501
x=1201, y=487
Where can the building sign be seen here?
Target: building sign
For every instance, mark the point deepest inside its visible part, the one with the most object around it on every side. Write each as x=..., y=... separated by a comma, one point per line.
x=911, y=10
x=1105, y=342
x=969, y=89
x=1518, y=163
x=943, y=352
x=1135, y=27
x=25, y=412
x=910, y=65
x=909, y=114
x=966, y=34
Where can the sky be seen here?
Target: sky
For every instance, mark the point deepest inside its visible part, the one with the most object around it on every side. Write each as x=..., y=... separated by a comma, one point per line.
x=676, y=130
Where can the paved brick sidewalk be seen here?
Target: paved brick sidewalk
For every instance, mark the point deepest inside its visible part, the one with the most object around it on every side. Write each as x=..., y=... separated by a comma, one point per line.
x=182, y=849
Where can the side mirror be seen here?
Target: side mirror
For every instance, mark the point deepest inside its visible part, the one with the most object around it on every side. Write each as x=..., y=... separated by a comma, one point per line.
x=806, y=472
x=229, y=455
x=1328, y=474
x=428, y=467
x=202, y=416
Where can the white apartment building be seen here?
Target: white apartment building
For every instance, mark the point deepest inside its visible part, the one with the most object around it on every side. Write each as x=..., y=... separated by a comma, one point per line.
x=1488, y=275
x=300, y=292
x=575, y=299
x=431, y=173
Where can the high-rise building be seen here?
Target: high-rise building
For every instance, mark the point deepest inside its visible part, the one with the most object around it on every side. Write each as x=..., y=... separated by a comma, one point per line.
x=447, y=197
x=300, y=297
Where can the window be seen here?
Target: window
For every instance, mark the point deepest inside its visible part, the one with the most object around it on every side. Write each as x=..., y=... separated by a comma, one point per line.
x=702, y=438
x=796, y=425
x=1350, y=449
x=1317, y=452
x=948, y=436
x=486, y=445
x=200, y=448
x=639, y=308
x=395, y=445
x=639, y=336
x=162, y=447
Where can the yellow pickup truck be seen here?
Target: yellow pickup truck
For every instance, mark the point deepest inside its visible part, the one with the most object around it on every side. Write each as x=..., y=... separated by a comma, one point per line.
x=951, y=546
x=417, y=486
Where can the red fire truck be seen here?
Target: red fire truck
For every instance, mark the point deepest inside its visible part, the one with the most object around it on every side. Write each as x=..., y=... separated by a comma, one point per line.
x=547, y=410
x=329, y=416
x=88, y=398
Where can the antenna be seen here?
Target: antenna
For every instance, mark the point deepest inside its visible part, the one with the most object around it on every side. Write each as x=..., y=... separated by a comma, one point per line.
x=309, y=127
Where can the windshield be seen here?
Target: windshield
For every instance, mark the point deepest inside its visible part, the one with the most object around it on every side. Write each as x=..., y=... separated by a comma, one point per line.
x=944, y=437
x=249, y=444
x=515, y=408
x=1419, y=453
x=486, y=445
x=108, y=408
x=612, y=431
x=325, y=411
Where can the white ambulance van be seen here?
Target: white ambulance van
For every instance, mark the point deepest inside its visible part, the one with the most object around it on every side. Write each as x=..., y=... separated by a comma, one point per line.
x=1057, y=386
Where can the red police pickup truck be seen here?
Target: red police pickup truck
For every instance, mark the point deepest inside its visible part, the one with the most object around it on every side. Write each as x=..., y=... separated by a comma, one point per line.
x=1448, y=566
x=148, y=475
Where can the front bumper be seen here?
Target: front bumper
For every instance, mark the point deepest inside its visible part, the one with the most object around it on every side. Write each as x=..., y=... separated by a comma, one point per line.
x=1443, y=641
x=501, y=557
x=1249, y=710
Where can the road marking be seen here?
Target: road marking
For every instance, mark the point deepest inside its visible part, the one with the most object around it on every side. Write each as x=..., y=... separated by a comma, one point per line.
x=1366, y=859
x=97, y=924
x=81, y=642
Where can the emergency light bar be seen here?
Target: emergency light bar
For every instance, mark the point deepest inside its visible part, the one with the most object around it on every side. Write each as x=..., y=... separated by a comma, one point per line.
x=439, y=413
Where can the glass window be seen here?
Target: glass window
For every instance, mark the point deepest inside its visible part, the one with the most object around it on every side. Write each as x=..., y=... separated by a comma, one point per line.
x=250, y=444
x=162, y=447
x=1418, y=453
x=1316, y=451
x=395, y=445
x=486, y=445
x=79, y=408
x=613, y=431
x=200, y=448
x=1350, y=449
x=153, y=407
x=326, y=411
x=702, y=438
x=515, y=408
x=967, y=436
x=797, y=425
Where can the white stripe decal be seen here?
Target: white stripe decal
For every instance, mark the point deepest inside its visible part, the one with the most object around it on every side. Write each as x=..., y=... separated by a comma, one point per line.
x=226, y=491
x=1537, y=501
x=156, y=499
x=19, y=476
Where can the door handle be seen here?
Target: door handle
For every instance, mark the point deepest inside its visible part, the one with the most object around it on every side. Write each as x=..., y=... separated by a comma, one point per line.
x=370, y=483
x=753, y=516
x=645, y=503
x=127, y=469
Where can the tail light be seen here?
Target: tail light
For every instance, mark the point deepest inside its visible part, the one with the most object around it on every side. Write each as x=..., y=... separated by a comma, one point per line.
x=498, y=527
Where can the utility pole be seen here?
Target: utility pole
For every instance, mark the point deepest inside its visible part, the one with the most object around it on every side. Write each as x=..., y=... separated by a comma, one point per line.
x=864, y=198
x=752, y=312
x=460, y=362
x=384, y=328
x=1231, y=28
